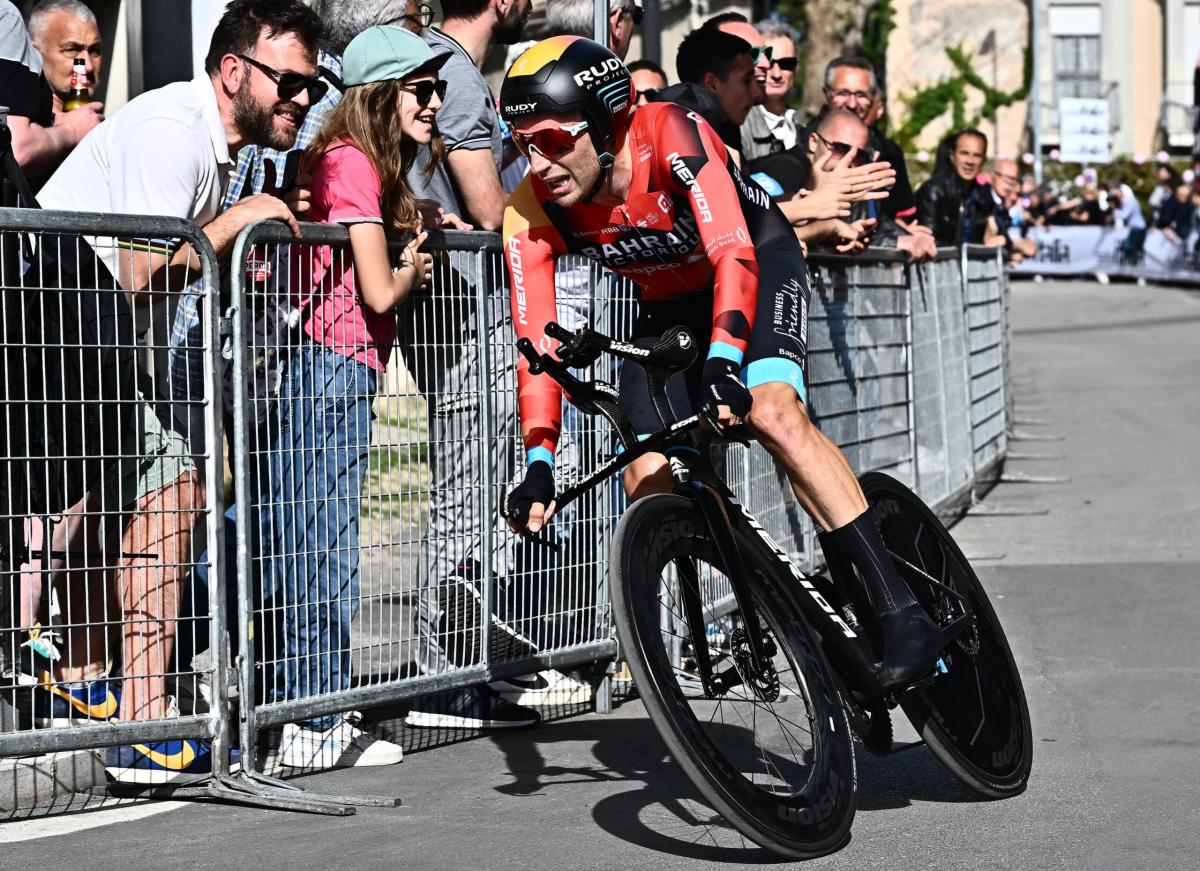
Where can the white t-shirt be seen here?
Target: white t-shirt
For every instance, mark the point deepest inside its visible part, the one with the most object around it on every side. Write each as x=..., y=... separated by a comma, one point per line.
x=783, y=127
x=164, y=153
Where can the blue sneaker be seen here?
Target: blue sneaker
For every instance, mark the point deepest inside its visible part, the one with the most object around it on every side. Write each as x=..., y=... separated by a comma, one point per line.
x=74, y=704
x=160, y=762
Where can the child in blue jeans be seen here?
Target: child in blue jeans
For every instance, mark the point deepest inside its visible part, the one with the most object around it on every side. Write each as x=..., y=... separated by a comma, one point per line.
x=359, y=163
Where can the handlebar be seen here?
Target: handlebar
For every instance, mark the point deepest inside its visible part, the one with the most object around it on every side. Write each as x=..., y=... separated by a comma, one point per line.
x=673, y=352
x=661, y=358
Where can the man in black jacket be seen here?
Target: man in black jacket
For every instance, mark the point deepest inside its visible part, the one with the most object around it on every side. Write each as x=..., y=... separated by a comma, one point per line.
x=954, y=203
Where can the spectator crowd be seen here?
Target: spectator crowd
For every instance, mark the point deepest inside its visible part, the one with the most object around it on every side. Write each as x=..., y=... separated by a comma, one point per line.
x=364, y=113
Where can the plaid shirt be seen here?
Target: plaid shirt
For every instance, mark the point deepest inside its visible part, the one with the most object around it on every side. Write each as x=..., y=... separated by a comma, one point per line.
x=187, y=331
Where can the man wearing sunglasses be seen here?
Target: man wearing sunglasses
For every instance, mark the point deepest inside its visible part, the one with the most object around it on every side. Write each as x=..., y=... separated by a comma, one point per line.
x=842, y=135
x=169, y=152
x=659, y=200
x=737, y=24
x=771, y=126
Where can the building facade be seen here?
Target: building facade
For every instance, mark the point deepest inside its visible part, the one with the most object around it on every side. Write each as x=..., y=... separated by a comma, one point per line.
x=1138, y=55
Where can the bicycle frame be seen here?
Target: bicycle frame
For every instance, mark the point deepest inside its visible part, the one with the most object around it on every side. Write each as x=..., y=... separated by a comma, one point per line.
x=686, y=444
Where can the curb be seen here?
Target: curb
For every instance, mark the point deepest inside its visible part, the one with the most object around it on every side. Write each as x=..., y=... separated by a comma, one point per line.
x=27, y=781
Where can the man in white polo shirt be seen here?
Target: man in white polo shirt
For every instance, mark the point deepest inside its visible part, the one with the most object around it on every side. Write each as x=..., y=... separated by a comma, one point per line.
x=169, y=152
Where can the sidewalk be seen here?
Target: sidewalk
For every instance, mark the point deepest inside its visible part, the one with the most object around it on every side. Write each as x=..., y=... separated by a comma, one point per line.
x=29, y=781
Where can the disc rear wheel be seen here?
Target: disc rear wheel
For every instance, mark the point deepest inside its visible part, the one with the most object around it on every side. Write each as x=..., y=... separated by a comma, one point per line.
x=973, y=714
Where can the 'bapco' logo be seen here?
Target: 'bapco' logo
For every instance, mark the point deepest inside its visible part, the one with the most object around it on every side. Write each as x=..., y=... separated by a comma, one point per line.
x=591, y=74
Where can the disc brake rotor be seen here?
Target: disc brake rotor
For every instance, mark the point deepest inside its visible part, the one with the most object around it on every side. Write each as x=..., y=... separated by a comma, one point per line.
x=764, y=682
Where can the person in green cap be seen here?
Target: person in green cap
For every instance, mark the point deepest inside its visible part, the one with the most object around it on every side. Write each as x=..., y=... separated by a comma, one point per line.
x=359, y=164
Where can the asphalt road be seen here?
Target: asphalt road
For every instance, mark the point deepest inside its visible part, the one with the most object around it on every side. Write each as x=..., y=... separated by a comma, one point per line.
x=1099, y=597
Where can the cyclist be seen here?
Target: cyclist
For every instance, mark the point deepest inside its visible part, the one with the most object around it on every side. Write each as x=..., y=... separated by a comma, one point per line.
x=657, y=199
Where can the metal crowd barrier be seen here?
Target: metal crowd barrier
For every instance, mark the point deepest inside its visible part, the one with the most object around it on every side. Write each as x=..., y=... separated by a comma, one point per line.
x=362, y=560
x=349, y=600
x=103, y=507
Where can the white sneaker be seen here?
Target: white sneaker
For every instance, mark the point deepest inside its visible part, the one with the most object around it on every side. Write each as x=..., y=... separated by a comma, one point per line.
x=543, y=689
x=342, y=745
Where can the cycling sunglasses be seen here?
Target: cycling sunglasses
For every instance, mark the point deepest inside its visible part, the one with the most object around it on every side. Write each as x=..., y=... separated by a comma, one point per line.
x=549, y=142
x=423, y=17
x=290, y=84
x=425, y=89
x=787, y=64
x=841, y=149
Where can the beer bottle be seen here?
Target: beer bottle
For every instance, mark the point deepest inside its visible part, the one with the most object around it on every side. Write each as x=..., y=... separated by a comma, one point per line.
x=79, y=94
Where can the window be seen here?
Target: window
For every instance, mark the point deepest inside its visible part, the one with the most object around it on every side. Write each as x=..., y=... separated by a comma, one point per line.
x=1075, y=49
x=1077, y=66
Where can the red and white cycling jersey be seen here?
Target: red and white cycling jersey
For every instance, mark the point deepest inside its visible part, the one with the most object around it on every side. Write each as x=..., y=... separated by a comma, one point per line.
x=690, y=221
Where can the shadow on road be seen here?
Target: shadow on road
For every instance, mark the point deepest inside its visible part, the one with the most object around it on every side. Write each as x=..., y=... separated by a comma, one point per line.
x=666, y=813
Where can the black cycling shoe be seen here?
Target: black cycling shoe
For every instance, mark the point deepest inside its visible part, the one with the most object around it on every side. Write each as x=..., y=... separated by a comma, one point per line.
x=911, y=644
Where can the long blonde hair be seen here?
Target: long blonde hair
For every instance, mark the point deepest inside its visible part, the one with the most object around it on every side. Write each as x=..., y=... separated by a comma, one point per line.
x=366, y=116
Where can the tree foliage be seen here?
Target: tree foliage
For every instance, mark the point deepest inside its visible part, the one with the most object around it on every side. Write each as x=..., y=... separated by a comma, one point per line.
x=926, y=105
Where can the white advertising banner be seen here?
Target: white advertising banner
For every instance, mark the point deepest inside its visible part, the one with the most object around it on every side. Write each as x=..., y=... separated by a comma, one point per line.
x=1083, y=130
x=1083, y=250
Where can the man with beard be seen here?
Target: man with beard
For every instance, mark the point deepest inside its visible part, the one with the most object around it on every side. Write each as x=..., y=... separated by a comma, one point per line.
x=467, y=181
x=168, y=152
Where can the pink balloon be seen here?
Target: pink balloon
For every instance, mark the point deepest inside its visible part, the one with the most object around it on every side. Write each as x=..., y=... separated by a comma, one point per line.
x=1162, y=157
x=922, y=156
x=1139, y=158
x=1027, y=158
x=1054, y=153
x=1189, y=176
x=1080, y=180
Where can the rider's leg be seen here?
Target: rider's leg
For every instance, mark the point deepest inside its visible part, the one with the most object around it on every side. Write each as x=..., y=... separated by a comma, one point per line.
x=825, y=485
x=647, y=475
x=818, y=472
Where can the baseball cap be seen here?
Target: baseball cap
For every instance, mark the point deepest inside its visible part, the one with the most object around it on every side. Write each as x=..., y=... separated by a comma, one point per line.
x=384, y=52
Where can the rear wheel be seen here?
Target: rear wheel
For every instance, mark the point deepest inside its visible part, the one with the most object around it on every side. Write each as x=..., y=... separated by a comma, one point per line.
x=974, y=716
x=773, y=754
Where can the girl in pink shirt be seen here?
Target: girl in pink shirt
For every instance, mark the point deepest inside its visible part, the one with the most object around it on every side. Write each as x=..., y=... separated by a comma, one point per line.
x=359, y=163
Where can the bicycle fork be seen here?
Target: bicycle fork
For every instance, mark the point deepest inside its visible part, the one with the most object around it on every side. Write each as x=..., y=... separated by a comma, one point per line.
x=720, y=527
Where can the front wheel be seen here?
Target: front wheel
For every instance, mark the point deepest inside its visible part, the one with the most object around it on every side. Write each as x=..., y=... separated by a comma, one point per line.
x=773, y=753
x=973, y=715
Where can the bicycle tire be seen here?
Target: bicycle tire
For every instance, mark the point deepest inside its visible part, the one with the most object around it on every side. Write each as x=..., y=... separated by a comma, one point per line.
x=809, y=819
x=988, y=747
